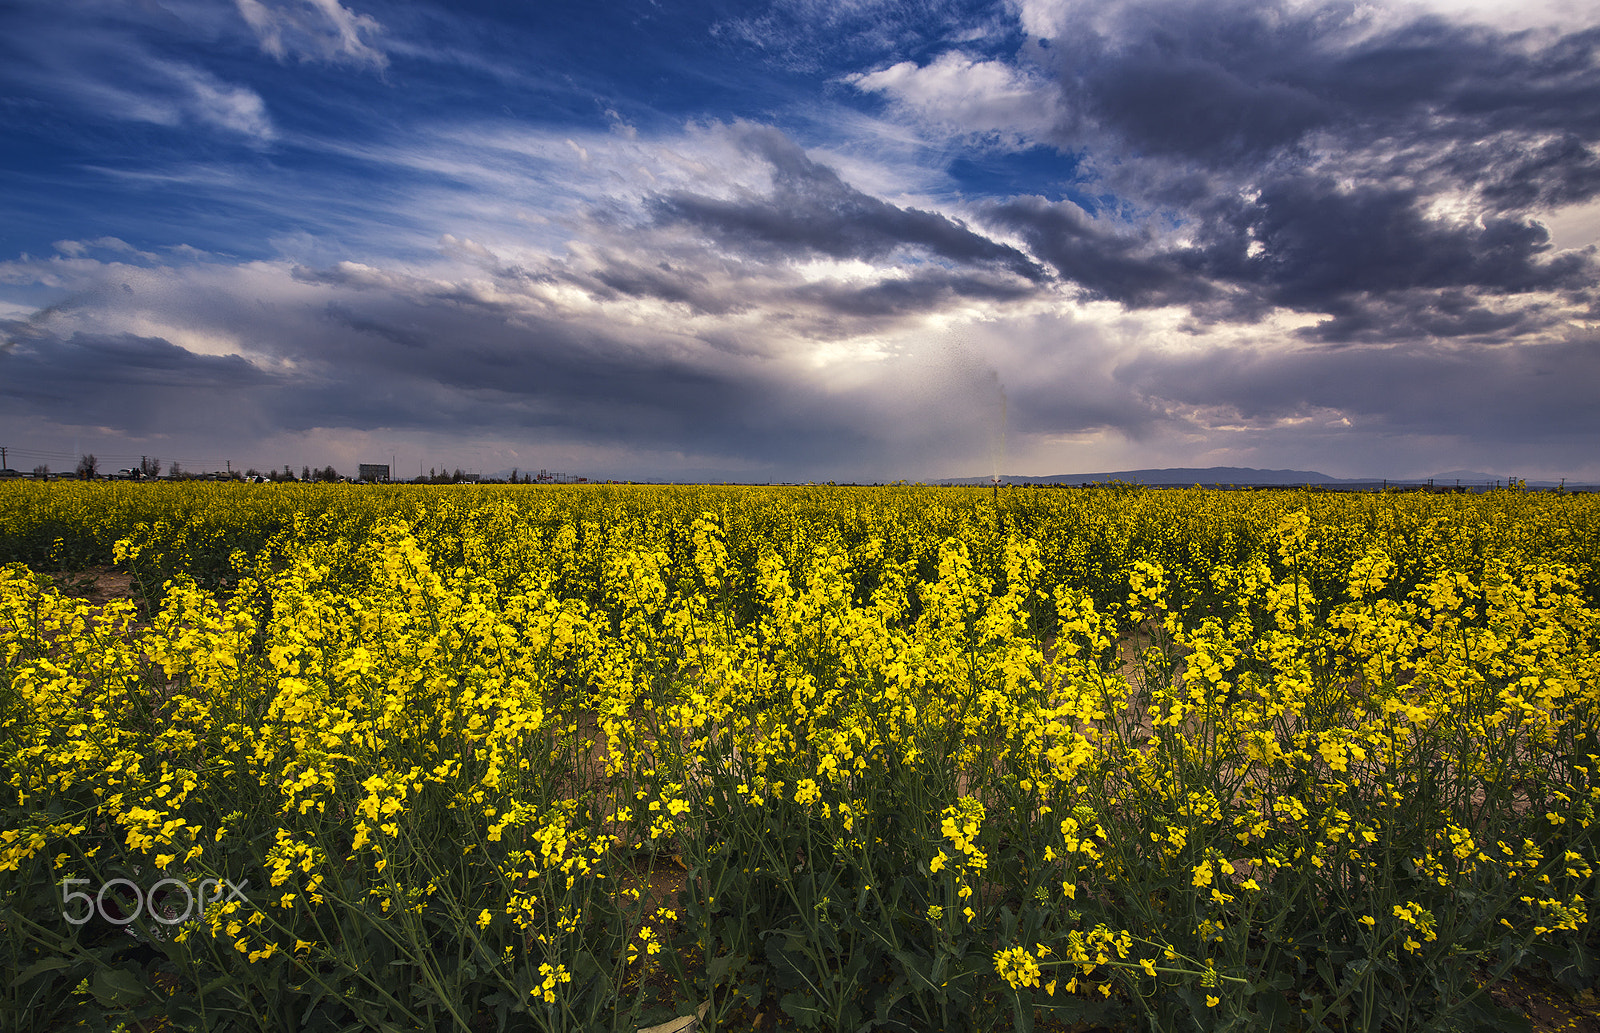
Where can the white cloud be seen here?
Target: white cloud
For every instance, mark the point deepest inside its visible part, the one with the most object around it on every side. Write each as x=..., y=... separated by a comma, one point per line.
x=314, y=30
x=1512, y=15
x=79, y=248
x=1050, y=19
x=1576, y=226
x=973, y=97
x=206, y=99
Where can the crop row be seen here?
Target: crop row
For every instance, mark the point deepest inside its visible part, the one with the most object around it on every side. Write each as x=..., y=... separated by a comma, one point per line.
x=1179, y=759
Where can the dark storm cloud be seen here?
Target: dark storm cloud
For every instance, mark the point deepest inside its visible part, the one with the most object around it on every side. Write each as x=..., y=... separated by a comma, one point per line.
x=665, y=282
x=351, y=347
x=1423, y=314
x=927, y=290
x=1531, y=393
x=1105, y=264
x=811, y=210
x=1560, y=171
x=141, y=384
x=818, y=308
x=1230, y=85
x=469, y=347
x=534, y=377
x=1304, y=150
x=110, y=360
x=1166, y=103
x=415, y=362
x=1321, y=241
x=407, y=336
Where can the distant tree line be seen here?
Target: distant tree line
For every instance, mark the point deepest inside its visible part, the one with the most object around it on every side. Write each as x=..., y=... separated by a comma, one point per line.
x=456, y=476
x=151, y=467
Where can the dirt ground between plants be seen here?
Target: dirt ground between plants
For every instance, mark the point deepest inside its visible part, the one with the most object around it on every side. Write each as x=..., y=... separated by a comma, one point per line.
x=1549, y=1006
x=98, y=585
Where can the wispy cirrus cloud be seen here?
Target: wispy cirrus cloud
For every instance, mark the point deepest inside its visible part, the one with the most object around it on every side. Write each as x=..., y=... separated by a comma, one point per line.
x=113, y=62
x=315, y=30
x=811, y=209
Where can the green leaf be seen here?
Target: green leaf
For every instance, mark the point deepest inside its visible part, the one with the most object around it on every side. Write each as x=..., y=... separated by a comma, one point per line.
x=40, y=967
x=718, y=968
x=1325, y=970
x=1484, y=1013
x=117, y=987
x=1022, y=1013
x=215, y=985
x=801, y=1007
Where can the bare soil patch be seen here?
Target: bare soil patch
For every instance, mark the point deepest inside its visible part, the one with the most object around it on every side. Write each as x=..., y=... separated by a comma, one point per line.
x=98, y=585
x=1549, y=1006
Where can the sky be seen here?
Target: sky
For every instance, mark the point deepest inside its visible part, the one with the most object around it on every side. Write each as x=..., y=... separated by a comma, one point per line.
x=789, y=240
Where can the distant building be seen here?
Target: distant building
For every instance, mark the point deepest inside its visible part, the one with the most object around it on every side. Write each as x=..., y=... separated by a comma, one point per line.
x=375, y=472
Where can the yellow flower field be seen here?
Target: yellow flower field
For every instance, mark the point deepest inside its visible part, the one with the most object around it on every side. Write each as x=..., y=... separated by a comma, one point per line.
x=397, y=758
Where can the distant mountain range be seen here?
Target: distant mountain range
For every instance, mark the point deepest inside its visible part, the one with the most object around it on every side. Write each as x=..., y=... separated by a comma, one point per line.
x=1243, y=475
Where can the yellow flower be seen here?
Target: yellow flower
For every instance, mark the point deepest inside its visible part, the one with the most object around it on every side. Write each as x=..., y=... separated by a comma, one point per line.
x=1017, y=967
x=484, y=918
x=1212, y=1002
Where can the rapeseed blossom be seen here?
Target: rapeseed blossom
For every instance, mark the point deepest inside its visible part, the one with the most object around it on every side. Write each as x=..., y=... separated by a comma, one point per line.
x=474, y=718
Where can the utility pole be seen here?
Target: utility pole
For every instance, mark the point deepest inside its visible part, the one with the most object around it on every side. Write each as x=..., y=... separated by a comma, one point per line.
x=3, y=464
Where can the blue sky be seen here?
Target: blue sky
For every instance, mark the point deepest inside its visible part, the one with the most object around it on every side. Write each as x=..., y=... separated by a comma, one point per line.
x=802, y=240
